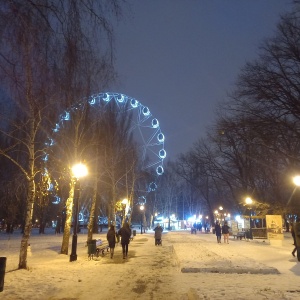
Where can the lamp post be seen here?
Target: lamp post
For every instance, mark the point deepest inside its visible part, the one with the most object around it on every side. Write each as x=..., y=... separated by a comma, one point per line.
x=249, y=202
x=142, y=207
x=78, y=171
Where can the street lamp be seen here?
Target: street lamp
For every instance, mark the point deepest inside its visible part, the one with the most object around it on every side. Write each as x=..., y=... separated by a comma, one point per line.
x=249, y=202
x=78, y=170
x=296, y=180
x=142, y=207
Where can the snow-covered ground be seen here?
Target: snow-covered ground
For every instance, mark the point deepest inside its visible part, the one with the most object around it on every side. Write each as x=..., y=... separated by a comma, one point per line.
x=186, y=266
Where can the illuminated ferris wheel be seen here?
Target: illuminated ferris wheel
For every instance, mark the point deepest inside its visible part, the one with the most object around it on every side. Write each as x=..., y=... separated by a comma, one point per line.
x=145, y=128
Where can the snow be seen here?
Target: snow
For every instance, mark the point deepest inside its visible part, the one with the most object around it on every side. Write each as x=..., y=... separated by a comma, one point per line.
x=186, y=266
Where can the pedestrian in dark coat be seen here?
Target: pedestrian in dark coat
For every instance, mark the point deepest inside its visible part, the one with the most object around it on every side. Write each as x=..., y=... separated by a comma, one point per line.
x=111, y=238
x=218, y=231
x=225, y=232
x=293, y=230
x=125, y=234
x=158, y=234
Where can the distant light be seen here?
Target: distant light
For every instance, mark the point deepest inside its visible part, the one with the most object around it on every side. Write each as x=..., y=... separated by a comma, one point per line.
x=248, y=200
x=297, y=180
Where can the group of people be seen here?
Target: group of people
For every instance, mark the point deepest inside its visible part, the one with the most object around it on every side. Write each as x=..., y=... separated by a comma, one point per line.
x=219, y=230
x=125, y=233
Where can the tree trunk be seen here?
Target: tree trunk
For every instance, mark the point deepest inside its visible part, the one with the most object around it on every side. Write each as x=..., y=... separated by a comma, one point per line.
x=28, y=224
x=68, y=222
x=92, y=214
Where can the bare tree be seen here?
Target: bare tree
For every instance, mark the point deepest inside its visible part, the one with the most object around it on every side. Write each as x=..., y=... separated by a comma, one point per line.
x=48, y=55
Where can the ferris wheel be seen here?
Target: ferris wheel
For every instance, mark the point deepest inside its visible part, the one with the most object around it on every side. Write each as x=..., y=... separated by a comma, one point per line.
x=145, y=128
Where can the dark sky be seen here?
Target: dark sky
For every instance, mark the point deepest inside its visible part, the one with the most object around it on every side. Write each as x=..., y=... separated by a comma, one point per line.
x=180, y=57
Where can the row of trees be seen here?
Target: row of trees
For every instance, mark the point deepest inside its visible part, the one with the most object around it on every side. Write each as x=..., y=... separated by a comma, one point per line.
x=52, y=53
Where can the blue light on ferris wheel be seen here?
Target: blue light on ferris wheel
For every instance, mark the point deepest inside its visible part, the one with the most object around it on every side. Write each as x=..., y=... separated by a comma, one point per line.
x=146, y=111
x=120, y=98
x=159, y=170
x=106, y=98
x=161, y=137
x=134, y=103
x=155, y=123
x=66, y=117
x=57, y=200
x=92, y=101
x=80, y=217
x=162, y=153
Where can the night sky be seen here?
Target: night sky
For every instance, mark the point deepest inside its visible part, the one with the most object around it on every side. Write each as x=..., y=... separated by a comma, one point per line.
x=180, y=57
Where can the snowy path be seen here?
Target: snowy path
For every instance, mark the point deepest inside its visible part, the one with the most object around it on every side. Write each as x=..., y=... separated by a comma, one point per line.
x=153, y=272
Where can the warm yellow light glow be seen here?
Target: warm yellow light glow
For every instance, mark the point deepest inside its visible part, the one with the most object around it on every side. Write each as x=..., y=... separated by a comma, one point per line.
x=124, y=201
x=296, y=180
x=79, y=170
x=248, y=200
x=216, y=212
x=142, y=207
x=221, y=208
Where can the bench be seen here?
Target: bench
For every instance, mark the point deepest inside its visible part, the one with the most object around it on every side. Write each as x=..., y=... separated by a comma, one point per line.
x=95, y=247
x=101, y=246
x=193, y=230
x=240, y=235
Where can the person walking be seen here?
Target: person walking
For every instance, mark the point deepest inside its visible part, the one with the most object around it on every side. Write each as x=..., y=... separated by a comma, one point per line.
x=294, y=238
x=158, y=234
x=125, y=234
x=218, y=231
x=225, y=232
x=111, y=238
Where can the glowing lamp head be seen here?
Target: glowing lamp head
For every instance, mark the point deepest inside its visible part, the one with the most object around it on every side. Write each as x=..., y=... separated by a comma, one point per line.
x=248, y=200
x=142, y=207
x=79, y=170
x=297, y=180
